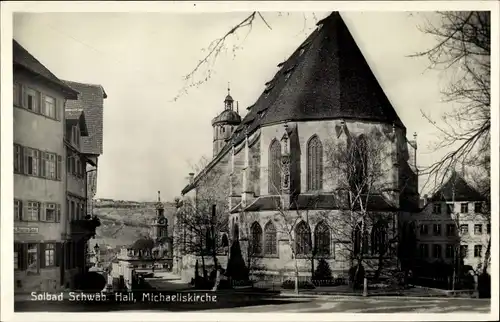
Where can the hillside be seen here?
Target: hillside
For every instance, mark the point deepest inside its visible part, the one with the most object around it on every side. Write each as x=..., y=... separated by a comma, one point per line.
x=123, y=222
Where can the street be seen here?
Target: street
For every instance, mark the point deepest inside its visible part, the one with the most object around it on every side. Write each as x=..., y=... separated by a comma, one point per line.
x=280, y=304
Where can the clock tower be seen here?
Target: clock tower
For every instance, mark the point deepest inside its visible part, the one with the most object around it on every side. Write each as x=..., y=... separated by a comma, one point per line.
x=160, y=224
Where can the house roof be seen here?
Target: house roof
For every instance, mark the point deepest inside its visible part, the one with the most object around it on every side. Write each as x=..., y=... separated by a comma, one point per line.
x=23, y=59
x=90, y=100
x=76, y=116
x=326, y=77
x=457, y=189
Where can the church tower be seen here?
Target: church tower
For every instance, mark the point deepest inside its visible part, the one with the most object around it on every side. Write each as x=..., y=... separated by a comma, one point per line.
x=225, y=123
x=160, y=224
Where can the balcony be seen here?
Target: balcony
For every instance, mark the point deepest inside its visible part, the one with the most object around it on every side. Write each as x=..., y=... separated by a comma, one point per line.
x=85, y=228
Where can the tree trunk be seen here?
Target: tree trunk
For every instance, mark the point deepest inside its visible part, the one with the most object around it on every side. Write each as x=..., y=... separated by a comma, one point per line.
x=486, y=257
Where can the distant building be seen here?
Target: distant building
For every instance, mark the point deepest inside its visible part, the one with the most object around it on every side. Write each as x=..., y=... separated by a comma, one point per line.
x=275, y=158
x=40, y=221
x=453, y=224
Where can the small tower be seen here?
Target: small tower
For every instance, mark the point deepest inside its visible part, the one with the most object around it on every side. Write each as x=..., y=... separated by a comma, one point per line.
x=160, y=224
x=225, y=123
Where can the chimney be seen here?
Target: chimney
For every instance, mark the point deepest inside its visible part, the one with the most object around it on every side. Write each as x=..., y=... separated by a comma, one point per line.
x=191, y=177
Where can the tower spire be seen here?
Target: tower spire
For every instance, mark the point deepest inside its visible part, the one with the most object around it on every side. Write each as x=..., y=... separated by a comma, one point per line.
x=158, y=195
x=228, y=88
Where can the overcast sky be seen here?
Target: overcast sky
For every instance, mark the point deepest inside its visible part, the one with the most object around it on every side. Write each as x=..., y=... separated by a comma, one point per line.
x=140, y=59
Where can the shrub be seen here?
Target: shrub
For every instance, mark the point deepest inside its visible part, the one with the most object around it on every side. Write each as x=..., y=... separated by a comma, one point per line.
x=303, y=285
x=484, y=285
x=323, y=274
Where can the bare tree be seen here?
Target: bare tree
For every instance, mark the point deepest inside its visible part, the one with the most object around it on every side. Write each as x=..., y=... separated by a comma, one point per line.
x=202, y=218
x=205, y=68
x=463, y=52
x=365, y=180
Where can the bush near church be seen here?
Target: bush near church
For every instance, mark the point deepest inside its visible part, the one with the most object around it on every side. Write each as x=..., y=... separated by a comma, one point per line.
x=323, y=275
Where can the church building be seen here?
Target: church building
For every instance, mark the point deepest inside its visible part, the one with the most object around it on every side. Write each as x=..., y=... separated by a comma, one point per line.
x=284, y=167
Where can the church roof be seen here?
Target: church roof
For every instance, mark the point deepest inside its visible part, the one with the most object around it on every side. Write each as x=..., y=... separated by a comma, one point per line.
x=326, y=77
x=457, y=189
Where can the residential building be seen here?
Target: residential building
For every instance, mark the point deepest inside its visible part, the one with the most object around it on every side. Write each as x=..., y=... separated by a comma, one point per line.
x=275, y=160
x=454, y=223
x=83, y=142
x=40, y=221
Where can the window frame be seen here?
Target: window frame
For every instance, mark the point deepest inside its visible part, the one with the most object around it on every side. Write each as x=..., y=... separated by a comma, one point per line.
x=436, y=208
x=464, y=208
x=50, y=250
x=37, y=257
x=30, y=92
x=53, y=207
x=437, y=254
x=270, y=240
x=18, y=215
x=464, y=229
x=476, y=248
x=45, y=106
x=437, y=232
x=478, y=231
x=31, y=208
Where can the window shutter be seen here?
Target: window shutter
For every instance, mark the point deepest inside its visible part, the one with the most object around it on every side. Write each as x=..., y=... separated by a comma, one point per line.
x=24, y=213
x=58, y=213
x=42, y=104
x=58, y=166
x=43, y=158
x=38, y=105
x=23, y=96
x=41, y=248
x=43, y=213
x=59, y=108
x=23, y=258
x=59, y=257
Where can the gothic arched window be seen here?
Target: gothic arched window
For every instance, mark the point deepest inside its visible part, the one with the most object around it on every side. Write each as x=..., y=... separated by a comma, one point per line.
x=270, y=239
x=256, y=241
x=359, y=154
x=314, y=164
x=322, y=239
x=274, y=167
x=302, y=239
x=379, y=238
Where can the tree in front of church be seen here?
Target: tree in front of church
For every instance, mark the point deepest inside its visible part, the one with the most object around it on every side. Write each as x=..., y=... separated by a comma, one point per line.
x=365, y=178
x=202, y=219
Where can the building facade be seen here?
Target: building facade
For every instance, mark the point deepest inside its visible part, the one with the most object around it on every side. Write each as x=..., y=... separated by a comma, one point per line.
x=454, y=223
x=284, y=201
x=40, y=224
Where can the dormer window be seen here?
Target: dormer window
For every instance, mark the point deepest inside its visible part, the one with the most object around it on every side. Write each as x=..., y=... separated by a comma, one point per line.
x=269, y=87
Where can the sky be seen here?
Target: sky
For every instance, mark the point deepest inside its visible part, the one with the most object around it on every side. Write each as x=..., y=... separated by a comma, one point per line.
x=152, y=141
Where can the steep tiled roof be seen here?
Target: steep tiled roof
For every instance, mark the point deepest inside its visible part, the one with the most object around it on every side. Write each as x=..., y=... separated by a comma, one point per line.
x=90, y=99
x=326, y=77
x=23, y=59
x=457, y=189
x=75, y=115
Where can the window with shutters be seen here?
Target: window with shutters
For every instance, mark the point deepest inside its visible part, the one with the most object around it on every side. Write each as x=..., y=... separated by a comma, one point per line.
x=50, y=255
x=18, y=158
x=59, y=167
x=32, y=211
x=314, y=164
x=464, y=208
x=322, y=239
x=302, y=239
x=18, y=210
x=256, y=242
x=50, y=212
x=275, y=167
x=32, y=100
x=48, y=165
x=270, y=239
x=49, y=108
x=31, y=161
x=32, y=254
